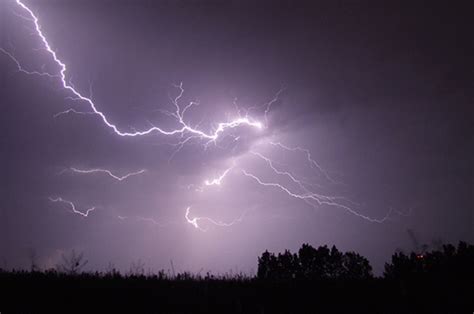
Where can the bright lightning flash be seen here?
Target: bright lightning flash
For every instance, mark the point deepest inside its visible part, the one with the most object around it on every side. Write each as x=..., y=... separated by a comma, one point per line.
x=186, y=133
x=183, y=129
x=73, y=207
x=195, y=221
x=218, y=180
x=108, y=172
x=311, y=198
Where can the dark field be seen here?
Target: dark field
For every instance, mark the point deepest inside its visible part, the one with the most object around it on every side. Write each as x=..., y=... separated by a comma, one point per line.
x=319, y=281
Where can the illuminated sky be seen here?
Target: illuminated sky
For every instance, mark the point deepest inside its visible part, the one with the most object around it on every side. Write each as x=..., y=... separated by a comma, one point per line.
x=205, y=132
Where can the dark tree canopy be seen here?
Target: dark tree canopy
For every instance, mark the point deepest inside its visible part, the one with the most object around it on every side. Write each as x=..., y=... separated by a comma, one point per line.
x=448, y=264
x=311, y=263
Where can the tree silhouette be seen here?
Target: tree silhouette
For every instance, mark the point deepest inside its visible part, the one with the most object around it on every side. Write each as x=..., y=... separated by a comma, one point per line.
x=73, y=263
x=356, y=266
x=310, y=266
x=288, y=265
x=449, y=264
x=266, y=265
x=311, y=263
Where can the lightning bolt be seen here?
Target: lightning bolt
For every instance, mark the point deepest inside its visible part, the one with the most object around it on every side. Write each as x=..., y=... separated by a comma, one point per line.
x=108, y=172
x=73, y=207
x=268, y=105
x=310, y=159
x=184, y=128
x=186, y=133
x=195, y=221
x=319, y=199
x=311, y=198
x=218, y=180
x=71, y=110
x=25, y=71
x=300, y=182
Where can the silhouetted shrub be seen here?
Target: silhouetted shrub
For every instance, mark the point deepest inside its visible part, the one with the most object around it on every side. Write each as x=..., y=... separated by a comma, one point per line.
x=72, y=263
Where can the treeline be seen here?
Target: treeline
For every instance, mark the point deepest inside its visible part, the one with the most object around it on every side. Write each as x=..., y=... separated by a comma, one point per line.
x=313, y=280
x=315, y=264
x=448, y=263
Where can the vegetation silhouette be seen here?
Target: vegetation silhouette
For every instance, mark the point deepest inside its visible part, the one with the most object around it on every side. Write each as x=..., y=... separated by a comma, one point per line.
x=72, y=264
x=315, y=264
x=314, y=280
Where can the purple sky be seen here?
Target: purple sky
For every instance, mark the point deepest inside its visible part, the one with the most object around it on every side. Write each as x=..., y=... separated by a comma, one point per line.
x=380, y=94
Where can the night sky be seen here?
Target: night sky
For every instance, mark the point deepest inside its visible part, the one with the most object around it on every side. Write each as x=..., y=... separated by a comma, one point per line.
x=380, y=93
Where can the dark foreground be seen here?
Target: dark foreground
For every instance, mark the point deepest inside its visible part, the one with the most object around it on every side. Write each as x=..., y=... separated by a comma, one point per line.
x=312, y=281
x=33, y=293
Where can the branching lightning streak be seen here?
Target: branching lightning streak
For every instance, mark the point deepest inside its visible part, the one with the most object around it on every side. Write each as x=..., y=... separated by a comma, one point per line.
x=218, y=180
x=186, y=133
x=195, y=221
x=270, y=103
x=108, y=172
x=73, y=207
x=267, y=106
x=23, y=70
x=311, y=161
x=73, y=111
x=301, y=184
x=314, y=197
x=178, y=114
